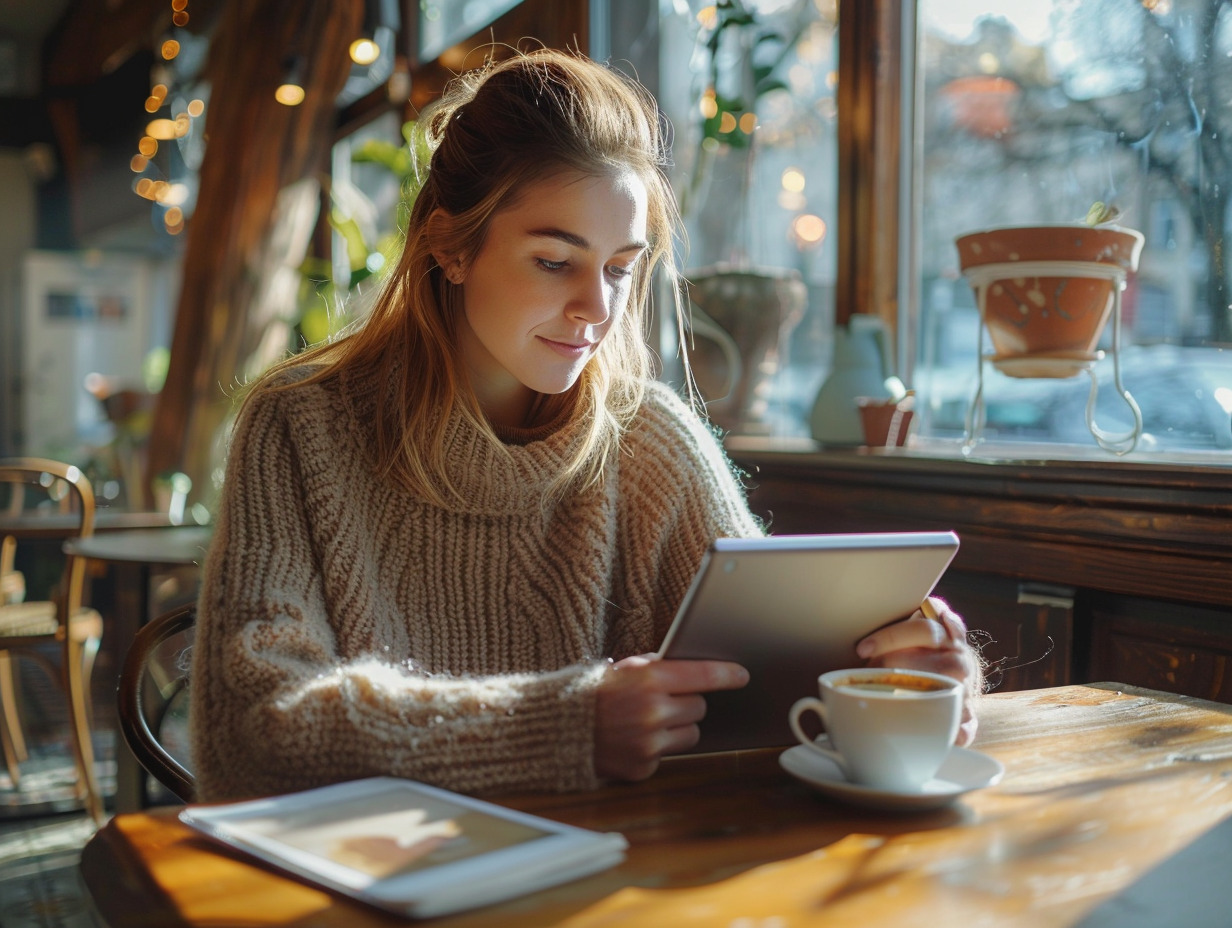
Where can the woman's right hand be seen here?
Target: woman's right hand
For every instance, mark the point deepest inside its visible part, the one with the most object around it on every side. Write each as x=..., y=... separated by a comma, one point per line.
x=647, y=707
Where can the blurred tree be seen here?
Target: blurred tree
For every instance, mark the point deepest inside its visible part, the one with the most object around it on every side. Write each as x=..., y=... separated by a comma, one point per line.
x=1133, y=95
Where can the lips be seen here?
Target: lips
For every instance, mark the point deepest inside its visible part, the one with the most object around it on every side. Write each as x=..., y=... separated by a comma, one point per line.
x=569, y=345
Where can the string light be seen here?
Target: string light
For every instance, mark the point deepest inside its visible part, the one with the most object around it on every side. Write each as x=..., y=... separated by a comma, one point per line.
x=162, y=130
x=167, y=195
x=793, y=179
x=364, y=51
x=158, y=93
x=808, y=230
x=708, y=105
x=289, y=94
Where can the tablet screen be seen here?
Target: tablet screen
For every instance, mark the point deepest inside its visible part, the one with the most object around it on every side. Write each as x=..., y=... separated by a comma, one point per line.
x=791, y=607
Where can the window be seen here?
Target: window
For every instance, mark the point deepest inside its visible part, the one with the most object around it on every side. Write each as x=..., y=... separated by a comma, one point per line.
x=750, y=87
x=1027, y=113
x=441, y=23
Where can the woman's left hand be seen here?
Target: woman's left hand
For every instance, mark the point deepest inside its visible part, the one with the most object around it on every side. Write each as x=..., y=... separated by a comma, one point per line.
x=938, y=644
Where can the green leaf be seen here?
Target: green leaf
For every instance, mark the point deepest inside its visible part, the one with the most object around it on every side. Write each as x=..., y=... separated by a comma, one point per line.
x=1101, y=212
x=377, y=151
x=314, y=324
x=357, y=248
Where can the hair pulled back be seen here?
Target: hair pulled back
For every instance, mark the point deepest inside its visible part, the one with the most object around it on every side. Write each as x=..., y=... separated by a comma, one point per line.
x=495, y=131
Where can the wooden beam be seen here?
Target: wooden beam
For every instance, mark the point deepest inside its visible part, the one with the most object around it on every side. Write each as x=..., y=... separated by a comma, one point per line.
x=256, y=148
x=868, y=160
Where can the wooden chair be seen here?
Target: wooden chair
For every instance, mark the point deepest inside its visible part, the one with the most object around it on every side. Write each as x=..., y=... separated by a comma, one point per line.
x=12, y=591
x=61, y=634
x=153, y=690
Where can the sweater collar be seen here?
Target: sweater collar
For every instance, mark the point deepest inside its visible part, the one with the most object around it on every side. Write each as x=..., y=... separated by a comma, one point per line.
x=511, y=475
x=507, y=476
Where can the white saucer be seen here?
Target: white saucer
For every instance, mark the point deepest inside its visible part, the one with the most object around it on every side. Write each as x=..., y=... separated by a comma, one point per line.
x=964, y=770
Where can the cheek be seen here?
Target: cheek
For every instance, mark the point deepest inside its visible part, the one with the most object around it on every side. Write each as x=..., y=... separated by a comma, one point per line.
x=618, y=303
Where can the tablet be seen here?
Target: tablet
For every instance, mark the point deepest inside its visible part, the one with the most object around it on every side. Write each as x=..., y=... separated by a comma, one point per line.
x=789, y=608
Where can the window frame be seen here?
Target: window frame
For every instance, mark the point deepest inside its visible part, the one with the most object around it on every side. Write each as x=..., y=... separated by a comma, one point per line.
x=875, y=68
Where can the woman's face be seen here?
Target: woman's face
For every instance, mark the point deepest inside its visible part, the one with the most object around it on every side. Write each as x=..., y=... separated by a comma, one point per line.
x=553, y=276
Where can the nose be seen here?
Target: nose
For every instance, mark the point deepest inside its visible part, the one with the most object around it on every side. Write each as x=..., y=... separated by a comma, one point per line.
x=591, y=300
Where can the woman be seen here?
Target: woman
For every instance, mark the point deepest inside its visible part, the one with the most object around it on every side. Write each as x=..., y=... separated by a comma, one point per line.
x=448, y=542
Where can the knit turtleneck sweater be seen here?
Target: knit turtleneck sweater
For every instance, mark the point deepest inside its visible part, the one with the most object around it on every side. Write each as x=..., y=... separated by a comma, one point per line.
x=348, y=628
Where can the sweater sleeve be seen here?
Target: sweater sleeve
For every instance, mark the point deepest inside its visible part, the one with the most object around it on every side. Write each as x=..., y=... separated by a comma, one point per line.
x=277, y=703
x=680, y=492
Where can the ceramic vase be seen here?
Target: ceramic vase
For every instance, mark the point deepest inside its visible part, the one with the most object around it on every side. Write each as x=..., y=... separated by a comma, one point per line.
x=741, y=316
x=859, y=369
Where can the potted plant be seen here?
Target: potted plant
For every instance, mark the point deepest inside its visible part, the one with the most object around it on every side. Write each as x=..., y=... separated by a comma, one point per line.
x=1046, y=292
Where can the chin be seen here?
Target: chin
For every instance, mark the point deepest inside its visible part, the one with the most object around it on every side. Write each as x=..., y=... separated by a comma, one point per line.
x=555, y=386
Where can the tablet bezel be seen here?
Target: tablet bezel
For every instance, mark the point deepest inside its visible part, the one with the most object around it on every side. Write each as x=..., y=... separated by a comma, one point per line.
x=828, y=591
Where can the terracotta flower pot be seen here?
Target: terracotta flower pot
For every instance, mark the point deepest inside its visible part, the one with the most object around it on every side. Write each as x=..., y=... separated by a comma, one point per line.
x=1055, y=304
x=885, y=422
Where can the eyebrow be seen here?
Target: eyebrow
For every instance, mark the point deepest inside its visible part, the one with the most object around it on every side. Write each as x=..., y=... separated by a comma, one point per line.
x=572, y=238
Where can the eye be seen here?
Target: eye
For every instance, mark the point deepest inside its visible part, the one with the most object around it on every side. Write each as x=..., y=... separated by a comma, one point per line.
x=623, y=271
x=551, y=265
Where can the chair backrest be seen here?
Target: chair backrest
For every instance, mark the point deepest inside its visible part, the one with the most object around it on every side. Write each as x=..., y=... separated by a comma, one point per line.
x=34, y=490
x=152, y=698
x=12, y=581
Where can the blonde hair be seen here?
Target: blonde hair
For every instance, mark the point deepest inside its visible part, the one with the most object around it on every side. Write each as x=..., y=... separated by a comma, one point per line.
x=496, y=130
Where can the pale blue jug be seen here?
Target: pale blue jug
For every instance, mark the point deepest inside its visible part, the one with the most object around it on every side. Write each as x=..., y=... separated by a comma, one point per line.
x=859, y=368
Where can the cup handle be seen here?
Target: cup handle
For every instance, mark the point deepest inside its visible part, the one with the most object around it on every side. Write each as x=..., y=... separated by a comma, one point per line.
x=813, y=704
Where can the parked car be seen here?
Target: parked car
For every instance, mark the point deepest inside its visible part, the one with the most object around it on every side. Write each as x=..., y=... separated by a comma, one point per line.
x=1185, y=395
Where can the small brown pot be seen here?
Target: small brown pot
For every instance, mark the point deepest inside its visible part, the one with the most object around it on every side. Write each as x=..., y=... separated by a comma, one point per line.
x=1054, y=308
x=885, y=422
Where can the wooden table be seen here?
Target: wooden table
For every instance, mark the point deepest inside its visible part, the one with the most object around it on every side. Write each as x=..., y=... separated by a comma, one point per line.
x=135, y=554
x=1102, y=783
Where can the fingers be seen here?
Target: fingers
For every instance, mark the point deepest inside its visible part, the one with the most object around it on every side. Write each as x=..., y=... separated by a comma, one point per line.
x=699, y=676
x=956, y=664
x=677, y=676
x=967, y=729
x=933, y=625
x=939, y=611
x=912, y=633
x=646, y=707
x=934, y=638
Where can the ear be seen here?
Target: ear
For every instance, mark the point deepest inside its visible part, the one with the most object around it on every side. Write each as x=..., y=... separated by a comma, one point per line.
x=440, y=228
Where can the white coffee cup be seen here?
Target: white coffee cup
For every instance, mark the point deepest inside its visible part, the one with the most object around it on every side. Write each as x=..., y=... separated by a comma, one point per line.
x=889, y=728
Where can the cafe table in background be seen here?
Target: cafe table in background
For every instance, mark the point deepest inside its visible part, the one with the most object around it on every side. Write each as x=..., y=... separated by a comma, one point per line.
x=1102, y=783
x=134, y=555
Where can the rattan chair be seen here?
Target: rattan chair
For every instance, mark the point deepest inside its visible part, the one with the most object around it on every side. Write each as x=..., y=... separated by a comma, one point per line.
x=61, y=634
x=153, y=691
